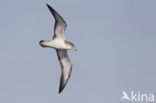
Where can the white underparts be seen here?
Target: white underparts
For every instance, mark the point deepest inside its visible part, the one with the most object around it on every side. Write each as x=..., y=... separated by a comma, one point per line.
x=56, y=44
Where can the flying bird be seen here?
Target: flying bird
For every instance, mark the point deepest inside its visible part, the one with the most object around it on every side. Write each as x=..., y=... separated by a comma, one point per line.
x=61, y=46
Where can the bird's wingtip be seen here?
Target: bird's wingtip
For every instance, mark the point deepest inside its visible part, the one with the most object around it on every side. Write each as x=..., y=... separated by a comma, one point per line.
x=59, y=92
x=50, y=8
x=47, y=4
x=61, y=89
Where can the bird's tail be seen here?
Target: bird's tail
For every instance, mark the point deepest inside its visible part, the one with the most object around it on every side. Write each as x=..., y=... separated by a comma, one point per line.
x=43, y=43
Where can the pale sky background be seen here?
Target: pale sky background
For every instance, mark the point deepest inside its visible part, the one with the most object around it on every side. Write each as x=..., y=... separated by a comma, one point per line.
x=116, y=42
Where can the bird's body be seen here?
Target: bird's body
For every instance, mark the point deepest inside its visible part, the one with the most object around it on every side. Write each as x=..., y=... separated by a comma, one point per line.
x=59, y=43
x=56, y=44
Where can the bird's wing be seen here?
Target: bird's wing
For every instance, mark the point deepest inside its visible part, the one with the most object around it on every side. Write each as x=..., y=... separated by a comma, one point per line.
x=66, y=66
x=60, y=24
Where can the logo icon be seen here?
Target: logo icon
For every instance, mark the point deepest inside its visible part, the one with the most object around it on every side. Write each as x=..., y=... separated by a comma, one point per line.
x=137, y=96
x=125, y=96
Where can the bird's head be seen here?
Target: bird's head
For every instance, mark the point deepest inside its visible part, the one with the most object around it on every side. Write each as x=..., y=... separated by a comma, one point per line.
x=74, y=48
x=70, y=45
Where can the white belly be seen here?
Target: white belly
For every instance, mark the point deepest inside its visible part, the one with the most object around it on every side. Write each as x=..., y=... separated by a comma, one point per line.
x=58, y=44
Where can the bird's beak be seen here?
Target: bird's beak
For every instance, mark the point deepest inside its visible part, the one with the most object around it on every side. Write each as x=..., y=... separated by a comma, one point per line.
x=74, y=49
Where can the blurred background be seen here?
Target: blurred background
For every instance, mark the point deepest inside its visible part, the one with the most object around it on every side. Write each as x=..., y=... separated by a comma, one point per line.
x=116, y=42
